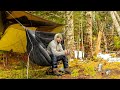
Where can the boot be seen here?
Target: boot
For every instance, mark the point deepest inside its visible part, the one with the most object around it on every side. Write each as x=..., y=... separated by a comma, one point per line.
x=49, y=71
x=55, y=72
x=67, y=71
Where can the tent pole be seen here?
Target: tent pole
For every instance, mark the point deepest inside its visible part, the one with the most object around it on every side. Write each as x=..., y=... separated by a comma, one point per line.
x=16, y=20
x=29, y=56
x=28, y=68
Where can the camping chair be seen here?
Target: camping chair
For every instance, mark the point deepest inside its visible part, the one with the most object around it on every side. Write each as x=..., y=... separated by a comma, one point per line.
x=37, y=42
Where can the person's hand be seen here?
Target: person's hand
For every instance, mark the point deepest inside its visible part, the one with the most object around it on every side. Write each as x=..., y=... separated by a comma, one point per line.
x=67, y=52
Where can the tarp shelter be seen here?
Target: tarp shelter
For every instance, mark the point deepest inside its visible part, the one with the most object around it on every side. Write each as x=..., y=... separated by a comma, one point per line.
x=14, y=37
x=33, y=39
x=37, y=42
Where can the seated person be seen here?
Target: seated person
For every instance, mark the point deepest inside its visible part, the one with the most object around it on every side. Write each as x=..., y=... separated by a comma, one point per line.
x=57, y=53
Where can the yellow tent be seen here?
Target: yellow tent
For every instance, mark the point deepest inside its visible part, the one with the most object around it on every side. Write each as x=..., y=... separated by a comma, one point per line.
x=14, y=37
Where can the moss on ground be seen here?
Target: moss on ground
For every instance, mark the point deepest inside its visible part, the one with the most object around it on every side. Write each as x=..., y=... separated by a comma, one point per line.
x=87, y=69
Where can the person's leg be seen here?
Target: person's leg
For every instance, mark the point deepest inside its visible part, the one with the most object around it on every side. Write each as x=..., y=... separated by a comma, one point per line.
x=65, y=63
x=54, y=61
x=54, y=65
x=49, y=71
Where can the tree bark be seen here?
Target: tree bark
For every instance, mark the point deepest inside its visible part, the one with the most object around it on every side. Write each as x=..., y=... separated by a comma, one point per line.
x=82, y=44
x=105, y=41
x=88, y=40
x=69, y=30
x=117, y=15
x=1, y=23
x=98, y=43
x=115, y=22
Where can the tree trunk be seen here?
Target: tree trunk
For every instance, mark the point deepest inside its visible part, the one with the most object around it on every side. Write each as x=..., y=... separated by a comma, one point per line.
x=105, y=41
x=69, y=30
x=88, y=33
x=112, y=32
x=115, y=22
x=1, y=23
x=82, y=44
x=117, y=15
x=98, y=43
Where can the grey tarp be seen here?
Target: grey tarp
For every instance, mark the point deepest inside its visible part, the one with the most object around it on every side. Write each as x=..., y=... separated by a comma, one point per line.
x=39, y=40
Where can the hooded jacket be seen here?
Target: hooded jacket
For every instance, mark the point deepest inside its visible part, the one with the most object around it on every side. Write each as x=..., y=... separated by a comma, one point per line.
x=54, y=47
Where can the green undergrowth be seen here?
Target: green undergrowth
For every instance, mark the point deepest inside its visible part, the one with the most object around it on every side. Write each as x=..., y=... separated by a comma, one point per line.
x=86, y=69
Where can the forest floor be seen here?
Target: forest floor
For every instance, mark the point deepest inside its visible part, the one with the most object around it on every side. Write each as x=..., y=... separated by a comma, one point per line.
x=87, y=69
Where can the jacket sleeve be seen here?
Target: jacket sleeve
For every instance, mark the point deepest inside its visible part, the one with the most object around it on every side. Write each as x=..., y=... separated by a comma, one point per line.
x=61, y=48
x=55, y=52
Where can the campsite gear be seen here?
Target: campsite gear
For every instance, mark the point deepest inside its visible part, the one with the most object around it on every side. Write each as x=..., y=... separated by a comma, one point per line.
x=36, y=46
x=76, y=54
x=14, y=39
x=26, y=19
x=25, y=38
x=107, y=72
x=81, y=55
x=49, y=71
x=15, y=24
x=56, y=72
x=61, y=69
x=67, y=71
x=100, y=67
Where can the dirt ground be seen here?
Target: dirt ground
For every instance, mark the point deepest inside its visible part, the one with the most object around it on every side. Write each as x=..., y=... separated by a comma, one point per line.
x=16, y=69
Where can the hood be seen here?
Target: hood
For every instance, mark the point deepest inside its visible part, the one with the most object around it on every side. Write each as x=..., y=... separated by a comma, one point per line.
x=58, y=35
